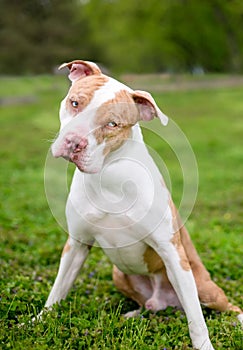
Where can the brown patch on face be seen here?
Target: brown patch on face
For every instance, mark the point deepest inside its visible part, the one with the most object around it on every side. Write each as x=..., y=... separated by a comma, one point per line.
x=66, y=248
x=120, y=110
x=153, y=260
x=82, y=92
x=176, y=240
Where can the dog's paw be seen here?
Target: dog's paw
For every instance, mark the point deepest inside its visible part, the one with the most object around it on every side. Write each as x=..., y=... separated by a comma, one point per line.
x=133, y=313
x=154, y=305
x=240, y=318
x=32, y=321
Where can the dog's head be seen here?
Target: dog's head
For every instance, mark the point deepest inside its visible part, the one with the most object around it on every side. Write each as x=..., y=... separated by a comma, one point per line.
x=97, y=116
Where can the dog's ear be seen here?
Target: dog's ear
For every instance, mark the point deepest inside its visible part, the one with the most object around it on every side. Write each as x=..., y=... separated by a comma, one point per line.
x=148, y=108
x=79, y=69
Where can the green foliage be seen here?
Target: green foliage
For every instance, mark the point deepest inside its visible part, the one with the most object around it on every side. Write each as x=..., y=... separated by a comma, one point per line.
x=136, y=36
x=31, y=241
x=205, y=34
x=36, y=36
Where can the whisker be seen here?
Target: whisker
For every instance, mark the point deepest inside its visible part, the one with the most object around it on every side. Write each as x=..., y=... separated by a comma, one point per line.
x=51, y=140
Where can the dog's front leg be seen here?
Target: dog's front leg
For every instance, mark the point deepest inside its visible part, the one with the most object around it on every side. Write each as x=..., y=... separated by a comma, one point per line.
x=73, y=256
x=181, y=277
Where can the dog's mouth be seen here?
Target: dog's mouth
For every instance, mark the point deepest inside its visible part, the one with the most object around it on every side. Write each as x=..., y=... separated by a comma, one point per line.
x=76, y=150
x=83, y=162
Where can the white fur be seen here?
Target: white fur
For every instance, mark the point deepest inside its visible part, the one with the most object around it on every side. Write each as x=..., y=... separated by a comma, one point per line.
x=240, y=318
x=106, y=93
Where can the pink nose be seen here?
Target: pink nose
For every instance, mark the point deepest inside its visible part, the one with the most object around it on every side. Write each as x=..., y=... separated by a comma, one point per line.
x=69, y=146
x=81, y=145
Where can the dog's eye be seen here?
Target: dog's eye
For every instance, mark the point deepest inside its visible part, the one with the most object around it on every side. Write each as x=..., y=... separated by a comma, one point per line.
x=111, y=125
x=74, y=104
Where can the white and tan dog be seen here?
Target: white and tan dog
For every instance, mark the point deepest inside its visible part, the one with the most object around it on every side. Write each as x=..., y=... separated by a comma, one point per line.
x=118, y=198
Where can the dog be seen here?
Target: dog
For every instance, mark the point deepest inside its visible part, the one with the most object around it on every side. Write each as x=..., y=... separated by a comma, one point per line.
x=119, y=199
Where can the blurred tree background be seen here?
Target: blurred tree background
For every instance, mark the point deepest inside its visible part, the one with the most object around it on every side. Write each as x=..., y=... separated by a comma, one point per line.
x=124, y=35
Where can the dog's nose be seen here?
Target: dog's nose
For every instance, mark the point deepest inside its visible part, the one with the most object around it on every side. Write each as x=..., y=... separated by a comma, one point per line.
x=69, y=146
x=80, y=146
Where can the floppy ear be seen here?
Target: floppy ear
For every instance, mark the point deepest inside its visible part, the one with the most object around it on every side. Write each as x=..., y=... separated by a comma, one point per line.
x=148, y=108
x=79, y=69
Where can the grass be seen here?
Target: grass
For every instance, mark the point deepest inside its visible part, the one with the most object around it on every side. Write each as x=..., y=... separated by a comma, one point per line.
x=31, y=240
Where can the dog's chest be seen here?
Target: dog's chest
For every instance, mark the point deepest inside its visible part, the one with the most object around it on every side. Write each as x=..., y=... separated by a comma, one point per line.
x=119, y=208
x=123, y=241
x=129, y=259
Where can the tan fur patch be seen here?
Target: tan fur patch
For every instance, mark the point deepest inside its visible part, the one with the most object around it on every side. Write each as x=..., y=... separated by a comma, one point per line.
x=176, y=240
x=234, y=308
x=66, y=248
x=82, y=91
x=127, y=284
x=153, y=260
x=209, y=293
x=121, y=110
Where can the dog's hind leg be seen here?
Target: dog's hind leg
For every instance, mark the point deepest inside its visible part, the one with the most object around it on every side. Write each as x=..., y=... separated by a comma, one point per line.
x=154, y=292
x=214, y=297
x=135, y=287
x=209, y=293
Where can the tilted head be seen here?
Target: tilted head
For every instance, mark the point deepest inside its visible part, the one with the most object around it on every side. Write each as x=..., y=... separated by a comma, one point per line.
x=97, y=116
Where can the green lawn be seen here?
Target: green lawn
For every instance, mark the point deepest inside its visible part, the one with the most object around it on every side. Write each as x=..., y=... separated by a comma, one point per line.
x=31, y=240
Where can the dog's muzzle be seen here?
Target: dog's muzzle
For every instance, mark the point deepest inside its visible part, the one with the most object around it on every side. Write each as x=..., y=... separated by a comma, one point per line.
x=69, y=147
